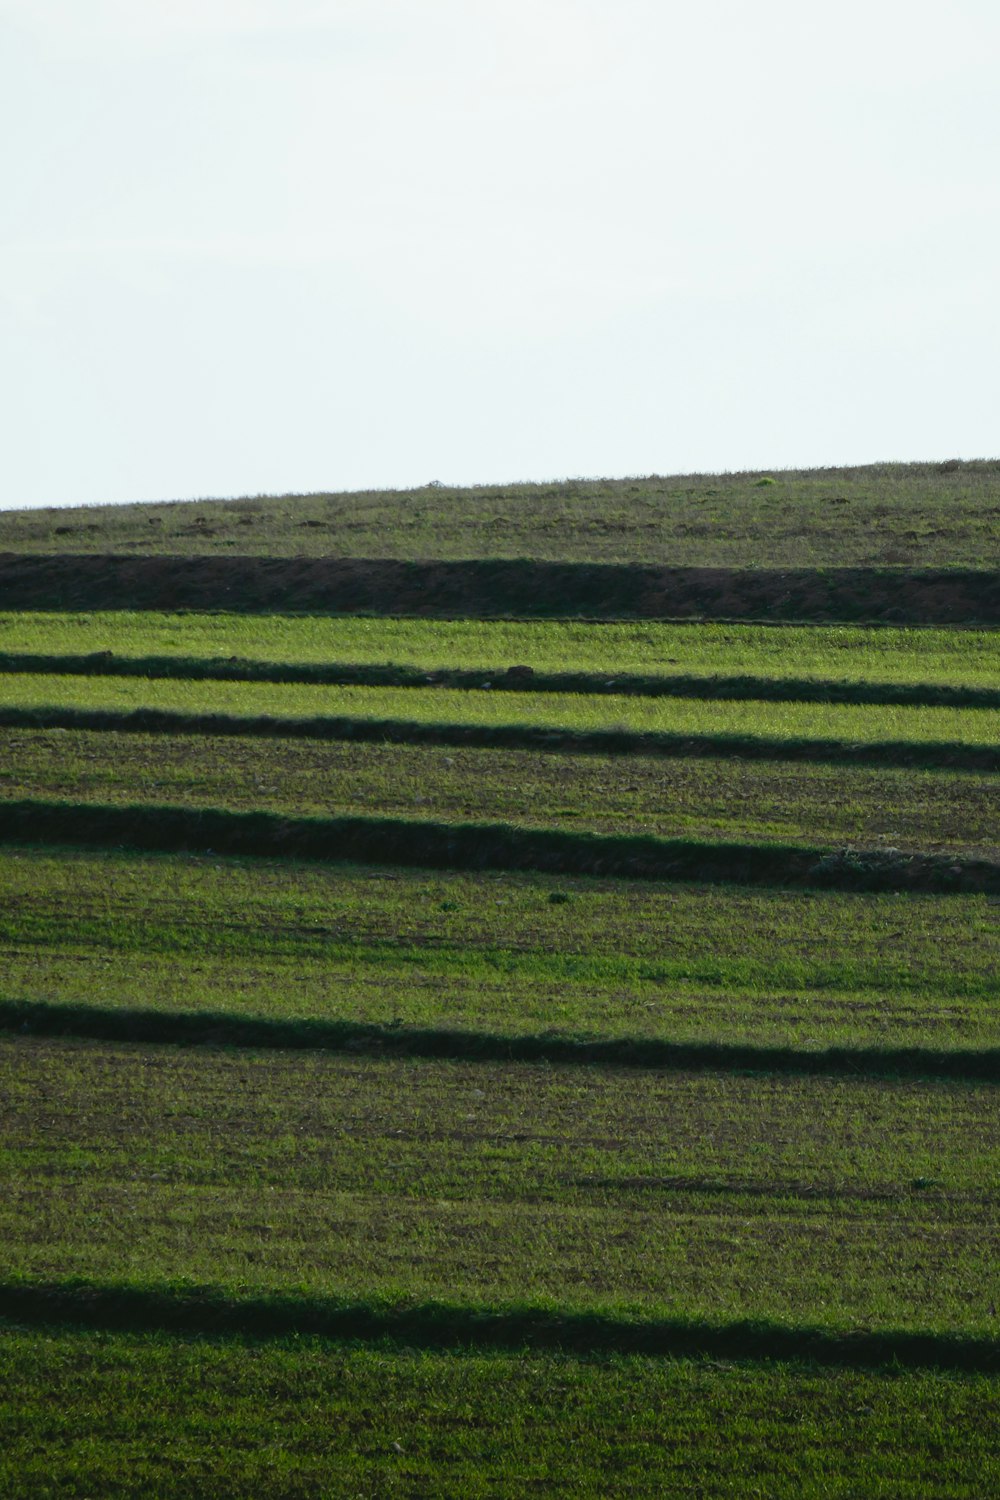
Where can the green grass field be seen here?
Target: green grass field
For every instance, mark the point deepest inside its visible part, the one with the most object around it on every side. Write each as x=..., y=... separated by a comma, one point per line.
x=851, y=723
x=932, y=811
x=352, y=1179
x=835, y=653
x=831, y=1203
x=117, y=1414
x=493, y=954
x=899, y=515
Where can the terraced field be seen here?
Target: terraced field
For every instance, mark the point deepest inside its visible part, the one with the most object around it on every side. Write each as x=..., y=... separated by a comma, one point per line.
x=709, y=649
x=940, y=811
x=489, y=957
x=558, y=712
x=414, y=1086
x=835, y=1203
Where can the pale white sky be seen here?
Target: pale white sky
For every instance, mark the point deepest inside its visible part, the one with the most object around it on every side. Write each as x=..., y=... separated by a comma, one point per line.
x=255, y=246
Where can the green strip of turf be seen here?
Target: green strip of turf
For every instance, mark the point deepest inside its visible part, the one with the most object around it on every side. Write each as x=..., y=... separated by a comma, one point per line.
x=838, y=1203
x=520, y=679
x=509, y=953
x=952, y=755
x=484, y=846
x=120, y=1415
x=836, y=806
x=490, y=707
x=970, y=658
x=222, y=1028
x=206, y=1310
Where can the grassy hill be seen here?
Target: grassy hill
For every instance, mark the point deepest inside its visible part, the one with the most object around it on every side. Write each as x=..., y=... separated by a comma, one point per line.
x=884, y=515
x=479, y=1056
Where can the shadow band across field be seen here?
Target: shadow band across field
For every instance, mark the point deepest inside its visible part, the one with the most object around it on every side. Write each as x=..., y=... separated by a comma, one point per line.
x=224, y=1029
x=210, y=1313
x=486, y=588
x=929, y=755
x=512, y=679
x=481, y=846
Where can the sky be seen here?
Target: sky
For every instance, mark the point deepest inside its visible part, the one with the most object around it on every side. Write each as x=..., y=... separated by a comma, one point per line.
x=274, y=246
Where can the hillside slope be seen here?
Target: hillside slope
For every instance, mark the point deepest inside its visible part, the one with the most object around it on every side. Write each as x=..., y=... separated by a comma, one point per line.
x=884, y=515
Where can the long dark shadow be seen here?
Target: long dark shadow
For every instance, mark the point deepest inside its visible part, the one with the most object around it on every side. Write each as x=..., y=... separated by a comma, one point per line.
x=483, y=846
x=497, y=588
x=209, y=1312
x=222, y=1028
x=944, y=755
x=514, y=679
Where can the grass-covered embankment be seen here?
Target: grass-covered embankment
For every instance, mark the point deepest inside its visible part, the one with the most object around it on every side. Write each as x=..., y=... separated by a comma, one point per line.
x=118, y=1023
x=481, y=588
x=485, y=846
x=210, y=1312
x=496, y=706
x=514, y=679
x=920, y=754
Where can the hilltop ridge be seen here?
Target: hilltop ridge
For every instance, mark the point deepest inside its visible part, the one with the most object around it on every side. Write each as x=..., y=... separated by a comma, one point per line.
x=892, y=515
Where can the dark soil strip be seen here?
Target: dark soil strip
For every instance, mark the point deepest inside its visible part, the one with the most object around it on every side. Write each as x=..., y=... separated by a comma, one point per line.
x=223, y=1029
x=485, y=846
x=943, y=755
x=498, y=588
x=211, y=1313
x=518, y=679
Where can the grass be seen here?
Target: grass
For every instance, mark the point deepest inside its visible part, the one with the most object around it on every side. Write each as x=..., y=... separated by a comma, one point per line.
x=424, y=1146
x=837, y=653
x=487, y=846
x=493, y=953
x=936, y=812
x=218, y=1028
x=837, y=1204
x=849, y=723
x=114, y=1414
x=897, y=515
